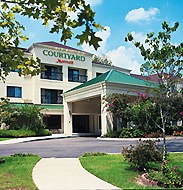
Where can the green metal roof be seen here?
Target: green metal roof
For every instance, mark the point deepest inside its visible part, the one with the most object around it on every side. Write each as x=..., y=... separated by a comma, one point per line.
x=115, y=77
x=44, y=106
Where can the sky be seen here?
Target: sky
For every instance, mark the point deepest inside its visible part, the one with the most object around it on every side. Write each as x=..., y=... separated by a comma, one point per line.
x=119, y=17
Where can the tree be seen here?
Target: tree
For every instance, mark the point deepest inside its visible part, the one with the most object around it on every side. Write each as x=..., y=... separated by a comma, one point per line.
x=7, y=113
x=102, y=59
x=118, y=105
x=59, y=12
x=164, y=59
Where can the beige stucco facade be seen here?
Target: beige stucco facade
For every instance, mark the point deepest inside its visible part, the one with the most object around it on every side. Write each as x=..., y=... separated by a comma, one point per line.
x=75, y=67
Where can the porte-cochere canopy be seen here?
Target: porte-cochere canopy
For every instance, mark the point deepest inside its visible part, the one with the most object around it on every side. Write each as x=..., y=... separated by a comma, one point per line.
x=85, y=99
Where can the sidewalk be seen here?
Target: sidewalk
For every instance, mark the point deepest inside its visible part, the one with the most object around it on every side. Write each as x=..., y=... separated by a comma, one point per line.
x=66, y=174
x=28, y=139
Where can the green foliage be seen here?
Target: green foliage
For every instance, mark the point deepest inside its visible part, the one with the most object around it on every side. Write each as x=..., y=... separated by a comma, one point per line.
x=43, y=132
x=22, y=155
x=167, y=177
x=164, y=59
x=7, y=112
x=23, y=133
x=11, y=35
x=102, y=59
x=112, y=134
x=131, y=132
x=16, y=133
x=118, y=105
x=126, y=132
x=29, y=117
x=88, y=154
x=143, y=113
x=177, y=133
x=171, y=130
x=142, y=154
x=141, y=116
x=59, y=12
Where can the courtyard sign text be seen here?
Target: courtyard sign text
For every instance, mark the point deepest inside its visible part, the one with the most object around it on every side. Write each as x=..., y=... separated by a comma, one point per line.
x=61, y=55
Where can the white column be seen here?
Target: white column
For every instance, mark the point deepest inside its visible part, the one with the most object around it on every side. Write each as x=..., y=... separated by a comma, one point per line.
x=68, y=118
x=106, y=117
x=107, y=122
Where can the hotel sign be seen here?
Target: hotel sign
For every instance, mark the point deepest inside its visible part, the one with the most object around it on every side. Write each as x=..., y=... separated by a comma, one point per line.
x=62, y=56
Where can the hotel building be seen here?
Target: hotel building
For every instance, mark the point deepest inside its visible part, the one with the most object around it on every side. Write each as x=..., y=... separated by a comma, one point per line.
x=71, y=88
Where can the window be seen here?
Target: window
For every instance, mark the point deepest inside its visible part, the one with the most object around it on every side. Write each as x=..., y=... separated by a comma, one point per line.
x=52, y=73
x=14, y=91
x=51, y=96
x=75, y=76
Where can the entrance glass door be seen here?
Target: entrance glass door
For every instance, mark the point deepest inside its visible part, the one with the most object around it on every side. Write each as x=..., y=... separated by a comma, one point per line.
x=80, y=123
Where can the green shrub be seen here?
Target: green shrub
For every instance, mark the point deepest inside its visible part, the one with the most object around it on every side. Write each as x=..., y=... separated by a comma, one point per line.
x=176, y=133
x=88, y=154
x=112, y=134
x=29, y=117
x=16, y=133
x=22, y=155
x=22, y=133
x=171, y=129
x=167, y=177
x=43, y=132
x=130, y=132
x=142, y=154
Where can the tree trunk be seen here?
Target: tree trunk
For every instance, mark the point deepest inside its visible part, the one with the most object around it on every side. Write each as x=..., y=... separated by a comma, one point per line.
x=164, y=135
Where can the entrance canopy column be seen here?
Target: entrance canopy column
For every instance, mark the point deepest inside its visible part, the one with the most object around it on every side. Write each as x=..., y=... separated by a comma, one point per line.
x=67, y=118
x=106, y=117
x=106, y=121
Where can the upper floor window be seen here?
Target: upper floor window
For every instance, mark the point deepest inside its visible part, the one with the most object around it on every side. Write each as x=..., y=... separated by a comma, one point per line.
x=14, y=92
x=52, y=73
x=75, y=76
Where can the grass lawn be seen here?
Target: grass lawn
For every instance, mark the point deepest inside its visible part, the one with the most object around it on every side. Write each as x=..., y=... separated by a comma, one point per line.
x=16, y=172
x=113, y=169
x=3, y=139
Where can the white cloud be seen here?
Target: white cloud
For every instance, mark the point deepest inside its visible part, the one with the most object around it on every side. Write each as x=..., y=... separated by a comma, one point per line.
x=104, y=35
x=141, y=14
x=125, y=58
x=94, y=2
x=140, y=37
x=122, y=56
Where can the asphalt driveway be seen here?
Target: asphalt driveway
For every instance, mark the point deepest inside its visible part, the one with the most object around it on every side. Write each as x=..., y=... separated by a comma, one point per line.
x=75, y=147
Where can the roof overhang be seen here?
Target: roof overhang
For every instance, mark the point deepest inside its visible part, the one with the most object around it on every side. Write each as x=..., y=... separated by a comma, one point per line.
x=104, y=88
x=58, y=48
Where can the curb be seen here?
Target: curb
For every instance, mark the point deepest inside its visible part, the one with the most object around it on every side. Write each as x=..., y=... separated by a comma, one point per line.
x=135, y=139
x=31, y=139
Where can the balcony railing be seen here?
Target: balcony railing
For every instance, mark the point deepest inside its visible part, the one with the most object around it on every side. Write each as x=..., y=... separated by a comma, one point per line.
x=78, y=78
x=52, y=75
x=45, y=99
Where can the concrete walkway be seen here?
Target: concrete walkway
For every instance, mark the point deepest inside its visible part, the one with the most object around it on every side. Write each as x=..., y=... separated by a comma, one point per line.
x=66, y=174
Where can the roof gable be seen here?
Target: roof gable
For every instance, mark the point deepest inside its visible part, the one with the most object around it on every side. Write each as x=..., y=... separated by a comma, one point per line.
x=115, y=76
x=58, y=45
